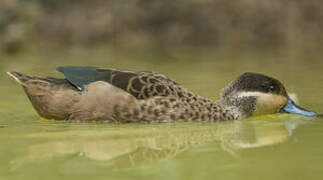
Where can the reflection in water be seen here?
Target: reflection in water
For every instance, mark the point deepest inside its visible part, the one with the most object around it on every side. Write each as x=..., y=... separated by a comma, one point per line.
x=110, y=147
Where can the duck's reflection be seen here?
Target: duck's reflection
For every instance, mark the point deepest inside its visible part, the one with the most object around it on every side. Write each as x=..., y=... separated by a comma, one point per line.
x=117, y=147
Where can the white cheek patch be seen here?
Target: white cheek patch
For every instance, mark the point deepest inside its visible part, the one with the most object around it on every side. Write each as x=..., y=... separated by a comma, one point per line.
x=249, y=94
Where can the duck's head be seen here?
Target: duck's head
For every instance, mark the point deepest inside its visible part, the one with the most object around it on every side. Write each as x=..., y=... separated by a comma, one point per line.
x=256, y=94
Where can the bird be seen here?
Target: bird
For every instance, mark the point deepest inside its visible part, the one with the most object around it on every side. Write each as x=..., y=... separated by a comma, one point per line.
x=106, y=94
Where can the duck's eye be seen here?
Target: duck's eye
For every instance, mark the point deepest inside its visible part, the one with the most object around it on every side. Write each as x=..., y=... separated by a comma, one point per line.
x=271, y=88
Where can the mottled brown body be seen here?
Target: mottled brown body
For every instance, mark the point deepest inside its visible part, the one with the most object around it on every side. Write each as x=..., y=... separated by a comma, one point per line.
x=162, y=99
x=123, y=96
x=166, y=109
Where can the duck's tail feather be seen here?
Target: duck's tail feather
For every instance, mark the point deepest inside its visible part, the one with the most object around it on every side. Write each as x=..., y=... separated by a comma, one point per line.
x=19, y=77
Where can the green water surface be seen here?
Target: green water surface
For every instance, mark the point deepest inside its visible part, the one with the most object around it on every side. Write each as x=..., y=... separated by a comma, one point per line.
x=279, y=146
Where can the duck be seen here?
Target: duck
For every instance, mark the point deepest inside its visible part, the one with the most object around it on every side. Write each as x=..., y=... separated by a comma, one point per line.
x=105, y=94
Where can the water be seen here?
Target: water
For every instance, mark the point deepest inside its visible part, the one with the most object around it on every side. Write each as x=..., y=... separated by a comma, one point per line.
x=280, y=146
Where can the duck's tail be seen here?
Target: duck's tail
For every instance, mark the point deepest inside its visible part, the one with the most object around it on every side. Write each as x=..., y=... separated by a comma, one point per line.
x=52, y=98
x=20, y=77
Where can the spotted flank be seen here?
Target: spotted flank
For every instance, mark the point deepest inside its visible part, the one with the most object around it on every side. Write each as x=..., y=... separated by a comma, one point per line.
x=91, y=93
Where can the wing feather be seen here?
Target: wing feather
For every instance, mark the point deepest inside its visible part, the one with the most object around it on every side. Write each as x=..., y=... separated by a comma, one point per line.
x=141, y=84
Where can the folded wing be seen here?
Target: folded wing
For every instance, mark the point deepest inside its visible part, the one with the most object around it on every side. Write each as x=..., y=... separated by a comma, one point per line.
x=141, y=85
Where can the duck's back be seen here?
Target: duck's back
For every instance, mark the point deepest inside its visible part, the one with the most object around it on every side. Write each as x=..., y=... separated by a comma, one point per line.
x=141, y=84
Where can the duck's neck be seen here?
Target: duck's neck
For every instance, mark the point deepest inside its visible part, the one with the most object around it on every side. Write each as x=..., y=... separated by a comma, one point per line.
x=213, y=110
x=223, y=109
x=244, y=106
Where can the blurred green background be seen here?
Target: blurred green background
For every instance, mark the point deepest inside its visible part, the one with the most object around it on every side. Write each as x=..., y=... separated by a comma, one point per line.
x=162, y=25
